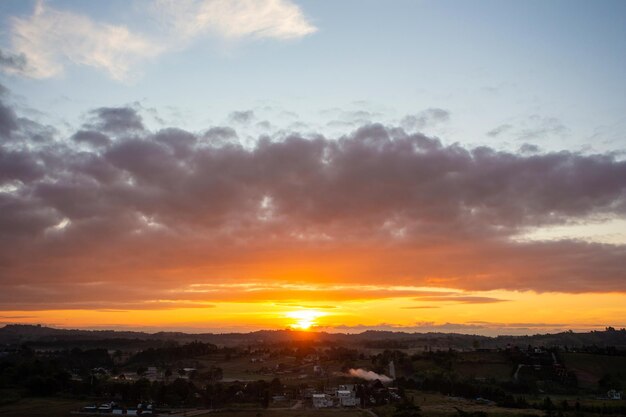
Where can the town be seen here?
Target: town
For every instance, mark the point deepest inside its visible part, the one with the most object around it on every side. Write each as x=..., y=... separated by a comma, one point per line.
x=292, y=373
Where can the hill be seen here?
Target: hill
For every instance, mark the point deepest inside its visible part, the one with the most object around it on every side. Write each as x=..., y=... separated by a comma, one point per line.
x=19, y=333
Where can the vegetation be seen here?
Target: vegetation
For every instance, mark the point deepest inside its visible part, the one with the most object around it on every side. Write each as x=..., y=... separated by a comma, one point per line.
x=527, y=380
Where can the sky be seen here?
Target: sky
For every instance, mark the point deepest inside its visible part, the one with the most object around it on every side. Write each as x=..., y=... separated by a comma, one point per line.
x=234, y=165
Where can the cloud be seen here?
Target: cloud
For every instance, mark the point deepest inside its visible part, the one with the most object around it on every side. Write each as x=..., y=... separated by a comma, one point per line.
x=8, y=121
x=461, y=299
x=539, y=127
x=151, y=213
x=418, y=327
x=116, y=119
x=425, y=118
x=219, y=135
x=49, y=39
x=12, y=62
x=241, y=116
x=91, y=137
x=485, y=328
x=108, y=293
x=535, y=127
x=46, y=42
x=418, y=307
x=497, y=131
x=277, y=19
x=529, y=148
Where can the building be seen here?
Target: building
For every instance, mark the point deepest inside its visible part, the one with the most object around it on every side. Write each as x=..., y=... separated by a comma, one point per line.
x=392, y=370
x=347, y=398
x=322, y=401
x=151, y=374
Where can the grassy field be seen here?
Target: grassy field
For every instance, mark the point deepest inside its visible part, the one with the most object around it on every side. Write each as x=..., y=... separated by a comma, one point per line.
x=590, y=368
x=586, y=400
x=473, y=364
x=431, y=404
x=289, y=413
x=41, y=407
x=441, y=405
x=243, y=369
x=497, y=371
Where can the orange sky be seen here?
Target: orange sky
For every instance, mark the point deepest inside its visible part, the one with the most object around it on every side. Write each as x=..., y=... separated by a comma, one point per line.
x=350, y=309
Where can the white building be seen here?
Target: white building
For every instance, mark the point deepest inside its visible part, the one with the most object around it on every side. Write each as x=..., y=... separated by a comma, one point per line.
x=392, y=370
x=322, y=401
x=152, y=374
x=614, y=395
x=347, y=398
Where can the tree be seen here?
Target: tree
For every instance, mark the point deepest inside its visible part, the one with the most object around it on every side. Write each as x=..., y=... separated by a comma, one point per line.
x=548, y=406
x=407, y=409
x=215, y=373
x=276, y=386
x=610, y=381
x=265, y=401
x=470, y=414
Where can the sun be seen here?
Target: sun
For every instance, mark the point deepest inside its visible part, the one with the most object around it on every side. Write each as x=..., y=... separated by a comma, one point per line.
x=304, y=319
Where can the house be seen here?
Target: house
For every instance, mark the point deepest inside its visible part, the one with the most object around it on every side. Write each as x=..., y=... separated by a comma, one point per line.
x=89, y=409
x=347, y=398
x=106, y=407
x=152, y=374
x=614, y=395
x=308, y=393
x=322, y=401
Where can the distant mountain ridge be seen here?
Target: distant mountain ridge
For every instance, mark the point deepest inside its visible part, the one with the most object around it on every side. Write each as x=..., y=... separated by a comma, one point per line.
x=19, y=333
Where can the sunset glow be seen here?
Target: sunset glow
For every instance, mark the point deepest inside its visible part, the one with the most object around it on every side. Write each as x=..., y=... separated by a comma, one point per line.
x=304, y=319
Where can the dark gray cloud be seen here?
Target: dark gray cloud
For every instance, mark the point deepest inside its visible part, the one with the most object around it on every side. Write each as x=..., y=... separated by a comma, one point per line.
x=116, y=120
x=533, y=128
x=19, y=165
x=219, y=134
x=529, y=148
x=538, y=127
x=8, y=118
x=396, y=207
x=425, y=118
x=91, y=137
x=12, y=62
x=242, y=117
x=497, y=131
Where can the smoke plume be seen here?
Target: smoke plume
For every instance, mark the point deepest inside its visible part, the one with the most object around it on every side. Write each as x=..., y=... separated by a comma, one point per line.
x=369, y=375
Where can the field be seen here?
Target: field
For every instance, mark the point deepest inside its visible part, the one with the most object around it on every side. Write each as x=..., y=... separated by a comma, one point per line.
x=485, y=365
x=50, y=407
x=41, y=407
x=590, y=368
x=290, y=413
x=431, y=404
x=286, y=368
x=437, y=405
